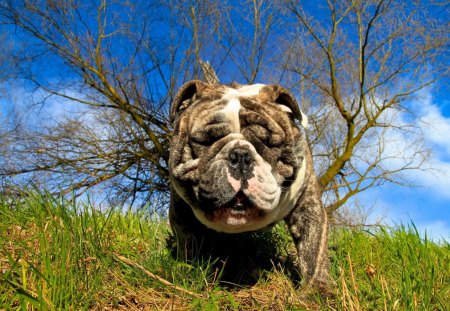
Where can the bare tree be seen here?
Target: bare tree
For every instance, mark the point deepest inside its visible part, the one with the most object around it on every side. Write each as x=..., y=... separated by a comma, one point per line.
x=107, y=58
x=354, y=65
x=246, y=33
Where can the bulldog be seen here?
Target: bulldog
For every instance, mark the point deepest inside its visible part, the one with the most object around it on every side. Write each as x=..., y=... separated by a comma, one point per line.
x=239, y=162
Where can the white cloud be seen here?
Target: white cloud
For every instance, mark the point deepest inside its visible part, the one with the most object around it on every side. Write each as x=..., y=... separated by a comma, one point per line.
x=437, y=179
x=436, y=230
x=427, y=206
x=394, y=206
x=435, y=125
x=58, y=107
x=435, y=128
x=36, y=107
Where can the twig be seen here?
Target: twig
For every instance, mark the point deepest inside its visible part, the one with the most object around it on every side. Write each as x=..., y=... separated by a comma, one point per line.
x=154, y=276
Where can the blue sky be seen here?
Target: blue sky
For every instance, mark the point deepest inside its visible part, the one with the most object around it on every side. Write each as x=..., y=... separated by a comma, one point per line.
x=427, y=204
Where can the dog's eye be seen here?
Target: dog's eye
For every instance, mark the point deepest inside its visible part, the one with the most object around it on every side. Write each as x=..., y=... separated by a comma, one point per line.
x=210, y=133
x=267, y=137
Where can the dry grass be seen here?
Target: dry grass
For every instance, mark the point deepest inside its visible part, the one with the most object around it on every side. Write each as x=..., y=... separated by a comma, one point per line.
x=61, y=255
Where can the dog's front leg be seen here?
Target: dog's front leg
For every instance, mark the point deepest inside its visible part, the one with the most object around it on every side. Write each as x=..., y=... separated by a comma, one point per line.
x=309, y=229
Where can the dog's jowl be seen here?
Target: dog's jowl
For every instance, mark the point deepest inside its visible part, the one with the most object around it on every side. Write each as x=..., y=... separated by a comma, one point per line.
x=239, y=162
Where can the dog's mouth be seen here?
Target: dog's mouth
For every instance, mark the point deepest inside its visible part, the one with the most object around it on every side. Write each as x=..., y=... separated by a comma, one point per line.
x=240, y=210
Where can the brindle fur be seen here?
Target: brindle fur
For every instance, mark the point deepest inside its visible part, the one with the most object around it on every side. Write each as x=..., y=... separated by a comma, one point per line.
x=276, y=138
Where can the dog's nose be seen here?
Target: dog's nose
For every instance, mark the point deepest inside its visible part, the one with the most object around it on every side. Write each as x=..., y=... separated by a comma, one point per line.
x=241, y=159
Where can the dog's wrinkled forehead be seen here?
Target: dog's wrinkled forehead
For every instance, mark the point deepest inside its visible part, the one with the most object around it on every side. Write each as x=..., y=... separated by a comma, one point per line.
x=195, y=90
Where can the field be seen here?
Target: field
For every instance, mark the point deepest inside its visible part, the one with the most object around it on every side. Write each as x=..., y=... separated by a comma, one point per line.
x=57, y=254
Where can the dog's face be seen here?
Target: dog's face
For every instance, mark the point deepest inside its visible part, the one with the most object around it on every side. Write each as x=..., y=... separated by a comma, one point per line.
x=236, y=154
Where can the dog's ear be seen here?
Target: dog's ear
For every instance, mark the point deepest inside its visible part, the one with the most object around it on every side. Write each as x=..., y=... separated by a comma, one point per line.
x=185, y=97
x=288, y=103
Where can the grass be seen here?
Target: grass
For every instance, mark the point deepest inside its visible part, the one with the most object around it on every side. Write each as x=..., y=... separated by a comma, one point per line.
x=57, y=254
